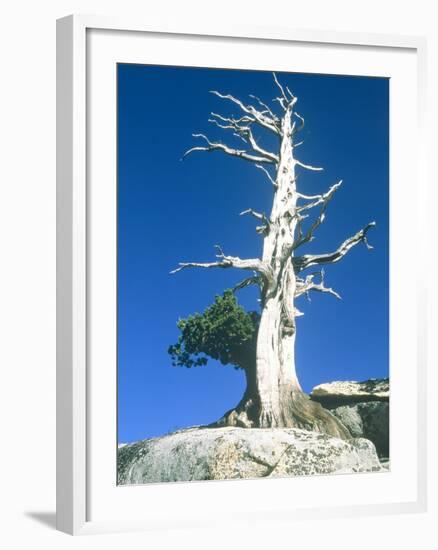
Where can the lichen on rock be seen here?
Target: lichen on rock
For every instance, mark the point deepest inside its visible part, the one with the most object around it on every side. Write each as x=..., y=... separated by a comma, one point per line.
x=239, y=453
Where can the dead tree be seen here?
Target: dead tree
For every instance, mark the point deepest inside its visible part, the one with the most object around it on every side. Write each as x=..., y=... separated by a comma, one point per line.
x=274, y=397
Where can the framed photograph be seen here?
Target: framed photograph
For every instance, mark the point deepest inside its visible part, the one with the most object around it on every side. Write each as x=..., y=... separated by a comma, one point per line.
x=238, y=318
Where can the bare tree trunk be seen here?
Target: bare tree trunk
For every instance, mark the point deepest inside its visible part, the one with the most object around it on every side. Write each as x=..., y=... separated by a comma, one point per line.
x=275, y=363
x=282, y=402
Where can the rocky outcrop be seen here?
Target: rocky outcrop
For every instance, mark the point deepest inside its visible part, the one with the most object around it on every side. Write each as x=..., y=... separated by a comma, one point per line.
x=349, y=392
x=363, y=408
x=236, y=453
x=369, y=420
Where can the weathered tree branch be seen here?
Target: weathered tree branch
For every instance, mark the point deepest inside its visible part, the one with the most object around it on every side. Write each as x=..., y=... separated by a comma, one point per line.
x=270, y=178
x=301, y=127
x=244, y=132
x=254, y=280
x=286, y=101
x=247, y=132
x=231, y=261
x=254, y=114
x=308, y=260
x=300, y=218
x=308, y=166
x=322, y=199
x=263, y=229
x=253, y=213
x=309, y=235
x=235, y=122
x=318, y=199
x=267, y=109
x=304, y=286
x=232, y=125
x=280, y=87
x=212, y=146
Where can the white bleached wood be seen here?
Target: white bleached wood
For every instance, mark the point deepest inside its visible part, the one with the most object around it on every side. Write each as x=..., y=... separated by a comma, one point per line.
x=270, y=178
x=308, y=166
x=255, y=115
x=212, y=146
x=324, y=200
x=309, y=260
x=230, y=261
x=301, y=127
x=255, y=280
x=304, y=286
x=319, y=199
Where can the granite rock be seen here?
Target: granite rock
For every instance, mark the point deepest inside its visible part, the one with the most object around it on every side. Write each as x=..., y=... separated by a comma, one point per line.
x=238, y=453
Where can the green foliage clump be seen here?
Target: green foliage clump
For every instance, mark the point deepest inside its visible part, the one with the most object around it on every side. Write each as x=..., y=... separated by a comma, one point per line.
x=224, y=331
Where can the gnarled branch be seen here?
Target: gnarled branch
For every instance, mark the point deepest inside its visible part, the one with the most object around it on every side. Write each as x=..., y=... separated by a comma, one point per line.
x=257, y=215
x=270, y=178
x=319, y=199
x=286, y=100
x=231, y=124
x=280, y=87
x=235, y=122
x=322, y=199
x=244, y=132
x=247, y=133
x=262, y=229
x=254, y=280
x=267, y=109
x=308, y=166
x=308, y=260
x=253, y=213
x=301, y=126
x=304, y=286
x=231, y=261
x=254, y=115
x=300, y=218
x=214, y=146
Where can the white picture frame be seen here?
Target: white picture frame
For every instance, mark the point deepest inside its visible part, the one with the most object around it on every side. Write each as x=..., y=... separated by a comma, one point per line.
x=75, y=218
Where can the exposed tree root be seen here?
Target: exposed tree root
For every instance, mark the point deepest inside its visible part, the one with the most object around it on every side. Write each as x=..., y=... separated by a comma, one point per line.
x=296, y=410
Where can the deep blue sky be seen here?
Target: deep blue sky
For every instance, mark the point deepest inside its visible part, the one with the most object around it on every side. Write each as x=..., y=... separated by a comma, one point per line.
x=171, y=211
